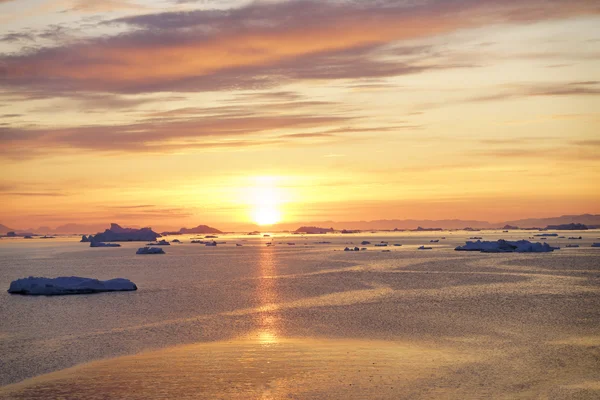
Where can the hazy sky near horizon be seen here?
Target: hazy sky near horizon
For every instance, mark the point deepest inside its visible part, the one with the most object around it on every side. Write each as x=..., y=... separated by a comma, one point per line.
x=180, y=112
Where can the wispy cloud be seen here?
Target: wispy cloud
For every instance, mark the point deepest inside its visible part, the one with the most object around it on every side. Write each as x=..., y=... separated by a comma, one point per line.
x=153, y=136
x=261, y=44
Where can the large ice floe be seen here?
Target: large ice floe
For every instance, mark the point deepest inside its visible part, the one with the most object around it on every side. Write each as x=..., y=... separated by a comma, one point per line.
x=68, y=285
x=102, y=244
x=150, y=250
x=504, y=246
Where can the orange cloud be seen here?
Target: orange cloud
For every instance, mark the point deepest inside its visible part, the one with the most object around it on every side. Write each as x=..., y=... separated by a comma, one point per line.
x=181, y=51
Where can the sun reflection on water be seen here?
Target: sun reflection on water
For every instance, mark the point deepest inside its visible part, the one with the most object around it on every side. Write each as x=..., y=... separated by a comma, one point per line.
x=268, y=320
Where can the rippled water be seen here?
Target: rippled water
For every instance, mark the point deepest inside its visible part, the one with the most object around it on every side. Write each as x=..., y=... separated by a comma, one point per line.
x=305, y=321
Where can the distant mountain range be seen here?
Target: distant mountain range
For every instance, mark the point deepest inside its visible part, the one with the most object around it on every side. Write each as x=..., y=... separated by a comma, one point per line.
x=591, y=220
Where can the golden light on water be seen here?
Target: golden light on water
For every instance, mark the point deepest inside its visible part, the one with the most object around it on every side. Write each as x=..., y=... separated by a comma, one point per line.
x=268, y=318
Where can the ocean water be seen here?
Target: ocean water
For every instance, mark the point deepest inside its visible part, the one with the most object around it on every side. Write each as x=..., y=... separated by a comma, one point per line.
x=306, y=320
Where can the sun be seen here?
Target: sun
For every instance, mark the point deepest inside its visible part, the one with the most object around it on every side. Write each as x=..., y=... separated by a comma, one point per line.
x=266, y=201
x=267, y=215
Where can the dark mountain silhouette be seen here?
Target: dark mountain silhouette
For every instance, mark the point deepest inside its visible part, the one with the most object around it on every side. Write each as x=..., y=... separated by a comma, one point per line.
x=586, y=219
x=5, y=229
x=198, y=229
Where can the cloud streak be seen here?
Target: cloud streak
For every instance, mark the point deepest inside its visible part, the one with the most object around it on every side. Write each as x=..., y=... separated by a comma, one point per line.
x=159, y=136
x=261, y=44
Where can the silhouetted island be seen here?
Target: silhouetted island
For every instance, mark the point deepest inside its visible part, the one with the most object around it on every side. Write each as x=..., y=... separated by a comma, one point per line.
x=568, y=227
x=198, y=229
x=313, y=230
x=421, y=229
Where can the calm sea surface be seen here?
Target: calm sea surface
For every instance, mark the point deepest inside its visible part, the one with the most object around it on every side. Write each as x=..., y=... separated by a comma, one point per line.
x=306, y=320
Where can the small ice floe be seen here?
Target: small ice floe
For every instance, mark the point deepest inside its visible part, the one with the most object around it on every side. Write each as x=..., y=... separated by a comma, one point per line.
x=322, y=242
x=386, y=251
x=434, y=241
x=68, y=285
x=381, y=244
x=291, y=244
x=424, y=248
x=575, y=238
x=596, y=245
x=572, y=245
x=102, y=244
x=349, y=249
x=504, y=246
x=150, y=250
x=397, y=244
x=211, y=237
x=546, y=234
x=175, y=241
x=476, y=238
x=160, y=243
x=211, y=244
x=365, y=242
x=238, y=245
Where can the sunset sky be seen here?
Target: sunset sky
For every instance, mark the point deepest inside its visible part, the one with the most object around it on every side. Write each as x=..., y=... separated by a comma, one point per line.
x=174, y=113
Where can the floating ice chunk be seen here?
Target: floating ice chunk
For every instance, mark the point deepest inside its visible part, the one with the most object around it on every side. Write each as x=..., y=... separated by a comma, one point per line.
x=68, y=285
x=504, y=246
x=102, y=244
x=160, y=243
x=150, y=250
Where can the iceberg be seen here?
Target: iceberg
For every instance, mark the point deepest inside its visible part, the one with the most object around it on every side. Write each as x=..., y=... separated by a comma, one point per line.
x=150, y=250
x=504, y=246
x=596, y=245
x=102, y=244
x=161, y=243
x=68, y=285
x=118, y=234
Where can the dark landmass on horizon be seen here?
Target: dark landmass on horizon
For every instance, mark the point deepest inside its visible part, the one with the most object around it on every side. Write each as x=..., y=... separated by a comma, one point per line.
x=198, y=229
x=590, y=220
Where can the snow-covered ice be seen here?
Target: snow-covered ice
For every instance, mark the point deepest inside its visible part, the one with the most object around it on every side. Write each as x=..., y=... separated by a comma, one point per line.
x=150, y=250
x=504, y=246
x=68, y=285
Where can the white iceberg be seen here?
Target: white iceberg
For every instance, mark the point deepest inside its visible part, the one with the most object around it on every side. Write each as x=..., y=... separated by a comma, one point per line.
x=150, y=250
x=504, y=246
x=68, y=285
